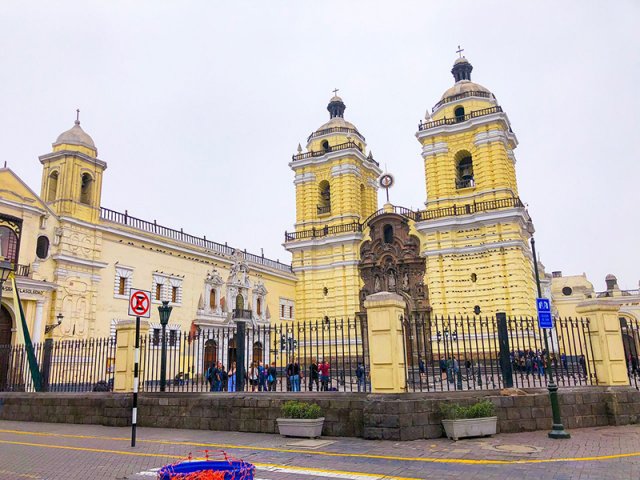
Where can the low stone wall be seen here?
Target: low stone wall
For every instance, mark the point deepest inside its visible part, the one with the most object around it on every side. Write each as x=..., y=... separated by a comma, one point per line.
x=392, y=417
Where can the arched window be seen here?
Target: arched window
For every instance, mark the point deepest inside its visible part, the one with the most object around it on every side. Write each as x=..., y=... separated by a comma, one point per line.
x=324, y=202
x=388, y=234
x=464, y=170
x=53, y=187
x=239, y=302
x=459, y=113
x=42, y=247
x=212, y=298
x=86, y=188
x=325, y=145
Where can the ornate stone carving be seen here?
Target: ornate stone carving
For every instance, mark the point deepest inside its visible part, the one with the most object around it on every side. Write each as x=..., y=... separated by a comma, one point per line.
x=391, y=262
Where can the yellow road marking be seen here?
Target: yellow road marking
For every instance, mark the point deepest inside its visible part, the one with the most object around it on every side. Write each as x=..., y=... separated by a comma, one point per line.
x=331, y=454
x=156, y=455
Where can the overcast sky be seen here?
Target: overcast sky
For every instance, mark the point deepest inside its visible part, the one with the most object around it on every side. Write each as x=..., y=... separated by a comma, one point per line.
x=197, y=107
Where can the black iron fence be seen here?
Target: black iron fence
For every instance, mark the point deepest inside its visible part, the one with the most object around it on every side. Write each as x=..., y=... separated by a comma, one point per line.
x=464, y=353
x=302, y=356
x=65, y=366
x=630, y=330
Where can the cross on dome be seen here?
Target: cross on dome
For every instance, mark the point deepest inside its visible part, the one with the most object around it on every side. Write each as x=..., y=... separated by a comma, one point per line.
x=459, y=51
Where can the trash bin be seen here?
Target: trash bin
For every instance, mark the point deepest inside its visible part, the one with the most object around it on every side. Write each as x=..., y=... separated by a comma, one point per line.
x=226, y=470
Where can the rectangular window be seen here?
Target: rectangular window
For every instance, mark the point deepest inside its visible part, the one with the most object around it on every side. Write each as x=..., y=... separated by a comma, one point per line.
x=173, y=338
x=156, y=336
x=174, y=294
x=282, y=311
x=290, y=312
x=158, y=291
x=122, y=283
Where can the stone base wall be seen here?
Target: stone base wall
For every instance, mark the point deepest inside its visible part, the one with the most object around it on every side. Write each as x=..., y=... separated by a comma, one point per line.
x=391, y=417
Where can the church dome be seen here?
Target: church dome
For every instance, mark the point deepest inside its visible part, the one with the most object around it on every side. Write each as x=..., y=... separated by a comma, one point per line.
x=76, y=136
x=336, y=110
x=462, y=74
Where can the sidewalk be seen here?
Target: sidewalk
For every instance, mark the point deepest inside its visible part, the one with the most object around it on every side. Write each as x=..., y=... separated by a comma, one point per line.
x=50, y=451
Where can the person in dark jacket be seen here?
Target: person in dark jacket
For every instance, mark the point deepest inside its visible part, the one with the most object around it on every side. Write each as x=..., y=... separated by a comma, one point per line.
x=314, y=376
x=272, y=377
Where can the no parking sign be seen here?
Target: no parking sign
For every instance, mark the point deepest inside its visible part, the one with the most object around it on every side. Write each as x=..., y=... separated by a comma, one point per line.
x=139, y=303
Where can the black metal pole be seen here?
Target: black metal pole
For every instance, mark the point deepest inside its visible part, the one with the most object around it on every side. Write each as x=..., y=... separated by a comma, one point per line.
x=136, y=372
x=163, y=360
x=46, y=363
x=503, y=342
x=557, y=428
x=240, y=354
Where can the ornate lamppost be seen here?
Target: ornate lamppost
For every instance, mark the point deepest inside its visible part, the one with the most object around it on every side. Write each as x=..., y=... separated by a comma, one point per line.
x=557, y=429
x=164, y=312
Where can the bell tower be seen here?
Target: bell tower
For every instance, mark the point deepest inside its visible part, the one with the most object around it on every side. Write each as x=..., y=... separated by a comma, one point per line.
x=336, y=190
x=72, y=175
x=475, y=227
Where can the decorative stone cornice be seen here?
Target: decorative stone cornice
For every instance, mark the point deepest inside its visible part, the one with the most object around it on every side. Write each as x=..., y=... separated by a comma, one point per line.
x=48, y=157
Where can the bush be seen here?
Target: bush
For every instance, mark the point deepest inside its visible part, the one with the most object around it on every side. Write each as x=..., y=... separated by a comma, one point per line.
x=296, y=409
x=455, y=411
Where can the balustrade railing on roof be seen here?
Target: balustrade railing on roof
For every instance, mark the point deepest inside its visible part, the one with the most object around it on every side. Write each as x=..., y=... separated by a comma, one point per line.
x=334, y=148
x=460, y=96
x=327, y=131
x=323, y=232
x=469, y=208
x=180, y=236
x=459, y=119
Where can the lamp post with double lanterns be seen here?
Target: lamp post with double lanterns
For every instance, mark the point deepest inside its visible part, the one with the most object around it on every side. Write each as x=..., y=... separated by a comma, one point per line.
x=557, y=429
x=165, y=313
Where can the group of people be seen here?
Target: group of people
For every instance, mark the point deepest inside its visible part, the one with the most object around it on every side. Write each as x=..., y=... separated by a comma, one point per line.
x=263, y=378
x=260, y=377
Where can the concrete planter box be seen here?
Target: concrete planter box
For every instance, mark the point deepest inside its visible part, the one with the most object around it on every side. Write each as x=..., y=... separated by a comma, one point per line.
x=300, y=427
x=470, y=427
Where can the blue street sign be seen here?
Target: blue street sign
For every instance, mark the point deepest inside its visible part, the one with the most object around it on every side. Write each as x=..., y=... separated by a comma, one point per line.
x=545, y=320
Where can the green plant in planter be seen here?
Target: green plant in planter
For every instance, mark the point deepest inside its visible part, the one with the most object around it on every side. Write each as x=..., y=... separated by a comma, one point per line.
x=296, y=409
x=455, y=411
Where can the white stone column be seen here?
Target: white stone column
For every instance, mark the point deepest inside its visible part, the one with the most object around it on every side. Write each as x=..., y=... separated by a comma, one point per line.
x=37, y=324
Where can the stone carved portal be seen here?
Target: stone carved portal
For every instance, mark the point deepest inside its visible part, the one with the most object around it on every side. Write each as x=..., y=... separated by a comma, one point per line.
x=391, y=262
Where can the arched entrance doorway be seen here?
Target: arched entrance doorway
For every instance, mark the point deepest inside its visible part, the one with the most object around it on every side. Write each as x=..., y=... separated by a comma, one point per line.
x=257, y=352
x=5, y=326
x=210, y=354
x=5, y=345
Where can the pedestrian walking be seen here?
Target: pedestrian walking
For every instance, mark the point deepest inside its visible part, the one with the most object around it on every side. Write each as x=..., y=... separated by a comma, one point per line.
x=293, y=372
x=253, y=376
x=272, y=377
x=314, y=376
x=231, y=378
x=262, y=377
x=324, y=369
x=360, y=377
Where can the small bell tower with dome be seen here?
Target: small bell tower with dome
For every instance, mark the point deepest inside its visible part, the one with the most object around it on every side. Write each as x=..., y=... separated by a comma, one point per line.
x=72, y=175
x=475, y=227
x=336, y=190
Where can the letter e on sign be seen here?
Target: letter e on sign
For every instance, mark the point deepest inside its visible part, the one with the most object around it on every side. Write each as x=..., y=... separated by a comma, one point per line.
x=139, y=303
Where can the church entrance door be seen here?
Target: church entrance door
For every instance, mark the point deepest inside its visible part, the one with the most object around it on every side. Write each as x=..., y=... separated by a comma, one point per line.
x=210, y=354
x=5, y=346
x=231, y=353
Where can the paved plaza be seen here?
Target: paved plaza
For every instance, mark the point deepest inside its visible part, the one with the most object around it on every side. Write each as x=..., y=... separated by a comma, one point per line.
x=62, y=451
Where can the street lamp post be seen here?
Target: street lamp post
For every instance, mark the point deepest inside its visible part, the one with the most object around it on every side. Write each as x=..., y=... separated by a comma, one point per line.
x=557, y=429
x=165, y=313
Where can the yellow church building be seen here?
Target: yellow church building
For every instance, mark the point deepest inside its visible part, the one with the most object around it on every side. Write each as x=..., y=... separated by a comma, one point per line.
x=79, y=259
x=466, y=253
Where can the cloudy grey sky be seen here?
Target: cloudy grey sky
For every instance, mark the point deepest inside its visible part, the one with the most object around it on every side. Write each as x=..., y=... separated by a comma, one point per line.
x=198, y=106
